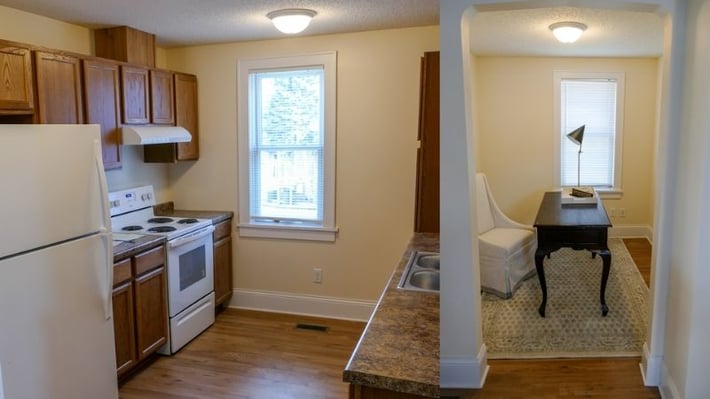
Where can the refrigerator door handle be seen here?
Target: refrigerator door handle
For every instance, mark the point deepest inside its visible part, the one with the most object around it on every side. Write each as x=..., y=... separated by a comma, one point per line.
x=108, y=269
x=103, y=186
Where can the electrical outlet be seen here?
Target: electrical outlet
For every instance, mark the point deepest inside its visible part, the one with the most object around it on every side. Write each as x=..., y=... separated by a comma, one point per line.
x=622, y=212
x=317, y=275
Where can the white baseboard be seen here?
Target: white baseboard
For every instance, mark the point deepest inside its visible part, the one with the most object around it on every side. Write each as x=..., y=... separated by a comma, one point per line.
x=651, y=367
x=631, y=231
x=668, y=388
x=307, y=305
x=464, y=373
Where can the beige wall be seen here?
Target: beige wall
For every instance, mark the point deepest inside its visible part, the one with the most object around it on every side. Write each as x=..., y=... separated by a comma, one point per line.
x=23, y=27
x=378, y=100
x=514, y=120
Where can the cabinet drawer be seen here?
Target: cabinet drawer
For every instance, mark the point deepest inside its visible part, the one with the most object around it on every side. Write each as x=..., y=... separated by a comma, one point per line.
x=150, y=260
x=121, y=271
x=221, y=230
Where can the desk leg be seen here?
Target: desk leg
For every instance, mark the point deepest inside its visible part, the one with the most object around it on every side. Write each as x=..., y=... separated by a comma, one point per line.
x=606, y=261
x=539, y=257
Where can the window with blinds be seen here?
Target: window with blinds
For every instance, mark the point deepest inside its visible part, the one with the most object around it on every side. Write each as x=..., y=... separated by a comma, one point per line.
x=286, y=146
x=593, y=100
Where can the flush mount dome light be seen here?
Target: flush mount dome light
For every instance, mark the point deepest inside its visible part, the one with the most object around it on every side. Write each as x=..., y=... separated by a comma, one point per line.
x=568, y=32
x=291, y=21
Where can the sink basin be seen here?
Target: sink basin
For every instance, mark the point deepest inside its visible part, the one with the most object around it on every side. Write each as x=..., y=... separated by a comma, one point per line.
x=421, y=272
x=425, y=279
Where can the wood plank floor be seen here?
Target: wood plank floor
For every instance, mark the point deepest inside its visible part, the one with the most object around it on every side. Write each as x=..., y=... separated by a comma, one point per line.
x=250, y=354
x=640, y=250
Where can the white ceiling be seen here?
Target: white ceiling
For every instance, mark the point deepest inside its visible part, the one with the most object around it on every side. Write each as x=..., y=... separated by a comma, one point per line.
x=610, y=33
x=507, y=32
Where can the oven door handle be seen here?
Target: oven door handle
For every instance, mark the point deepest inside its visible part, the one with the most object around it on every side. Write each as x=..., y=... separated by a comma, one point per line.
x=191, y=237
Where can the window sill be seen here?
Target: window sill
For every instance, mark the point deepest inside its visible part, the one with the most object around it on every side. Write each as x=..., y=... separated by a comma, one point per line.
x=288, y=232
x=610, y=193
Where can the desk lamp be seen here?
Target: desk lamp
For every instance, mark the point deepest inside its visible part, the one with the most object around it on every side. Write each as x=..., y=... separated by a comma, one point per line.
x=577, y=135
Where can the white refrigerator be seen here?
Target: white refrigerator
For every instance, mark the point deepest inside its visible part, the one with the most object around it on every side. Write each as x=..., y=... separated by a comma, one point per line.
x=56, y=331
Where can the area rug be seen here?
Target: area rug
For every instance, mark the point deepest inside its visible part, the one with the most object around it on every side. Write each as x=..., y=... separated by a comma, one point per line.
x=573, y=326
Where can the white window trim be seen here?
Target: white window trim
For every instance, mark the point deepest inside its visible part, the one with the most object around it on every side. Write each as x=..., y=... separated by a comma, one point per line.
x=249, y=228
x=613, y=192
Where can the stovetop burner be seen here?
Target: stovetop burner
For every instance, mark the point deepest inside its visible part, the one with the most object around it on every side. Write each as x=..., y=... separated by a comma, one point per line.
x=132, y=211
x=160, y=220
x=162, y=229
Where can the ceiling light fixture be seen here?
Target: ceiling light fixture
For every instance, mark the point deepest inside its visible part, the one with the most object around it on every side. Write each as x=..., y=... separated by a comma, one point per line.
x=568, y=32
x=293, y=20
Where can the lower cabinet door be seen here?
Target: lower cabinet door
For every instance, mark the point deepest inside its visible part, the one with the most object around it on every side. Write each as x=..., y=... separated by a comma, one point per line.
x=124, y=327
x=151, y=311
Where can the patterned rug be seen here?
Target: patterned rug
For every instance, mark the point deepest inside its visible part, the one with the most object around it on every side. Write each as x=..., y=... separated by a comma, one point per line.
x=573, y=326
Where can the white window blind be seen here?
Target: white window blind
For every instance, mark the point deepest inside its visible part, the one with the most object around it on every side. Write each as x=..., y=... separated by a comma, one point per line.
x=593, y=103
x=286, y=146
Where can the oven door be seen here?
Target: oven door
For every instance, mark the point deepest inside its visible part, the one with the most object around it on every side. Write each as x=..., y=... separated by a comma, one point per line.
x=190, y=269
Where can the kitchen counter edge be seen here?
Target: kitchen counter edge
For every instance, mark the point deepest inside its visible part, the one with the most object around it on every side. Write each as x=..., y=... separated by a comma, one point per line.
x=399, y=348
x=129, y=248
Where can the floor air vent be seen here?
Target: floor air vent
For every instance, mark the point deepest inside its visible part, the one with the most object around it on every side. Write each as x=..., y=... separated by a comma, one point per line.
x=312, y=327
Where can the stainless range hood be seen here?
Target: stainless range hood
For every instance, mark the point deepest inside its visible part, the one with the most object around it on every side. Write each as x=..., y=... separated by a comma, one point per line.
x=149, y=134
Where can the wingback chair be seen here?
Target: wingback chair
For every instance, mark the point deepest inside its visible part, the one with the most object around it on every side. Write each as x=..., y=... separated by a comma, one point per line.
x=507, y=248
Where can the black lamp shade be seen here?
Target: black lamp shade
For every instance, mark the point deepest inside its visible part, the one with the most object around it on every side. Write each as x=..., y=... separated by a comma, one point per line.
x=577, y=135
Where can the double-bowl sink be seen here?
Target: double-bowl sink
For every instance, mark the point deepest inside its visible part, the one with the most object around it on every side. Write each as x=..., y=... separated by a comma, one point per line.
x=421, y=272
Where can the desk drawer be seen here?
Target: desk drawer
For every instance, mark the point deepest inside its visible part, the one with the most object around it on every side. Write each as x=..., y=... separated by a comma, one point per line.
x=589, y=238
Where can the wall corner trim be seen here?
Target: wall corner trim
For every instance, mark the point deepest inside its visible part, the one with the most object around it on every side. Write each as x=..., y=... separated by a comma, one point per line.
x=464, y=373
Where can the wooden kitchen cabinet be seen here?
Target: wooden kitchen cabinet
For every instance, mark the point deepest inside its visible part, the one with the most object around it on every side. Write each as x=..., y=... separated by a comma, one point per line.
x=185, y=116
x=162, y=88
x=59, y=94
x=151, y=312
x=140, y=307
x=102, y=105
x=135, y=95
x=426, y=217
x=124, y=317
x=222, y=256
x=123, y=43
x=16, y=91
x=364, y=392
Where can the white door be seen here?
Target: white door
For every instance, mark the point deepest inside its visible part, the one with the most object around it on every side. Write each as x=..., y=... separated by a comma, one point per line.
x=52, y=184
x=56, y=340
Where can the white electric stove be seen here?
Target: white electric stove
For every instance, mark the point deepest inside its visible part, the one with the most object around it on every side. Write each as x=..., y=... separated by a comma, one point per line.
x=189, y=260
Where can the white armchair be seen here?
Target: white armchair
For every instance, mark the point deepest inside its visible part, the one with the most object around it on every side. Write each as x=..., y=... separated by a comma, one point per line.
x=506, y=248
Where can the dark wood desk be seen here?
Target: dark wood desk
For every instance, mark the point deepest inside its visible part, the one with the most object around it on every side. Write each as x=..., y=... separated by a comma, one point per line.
x=574, y=226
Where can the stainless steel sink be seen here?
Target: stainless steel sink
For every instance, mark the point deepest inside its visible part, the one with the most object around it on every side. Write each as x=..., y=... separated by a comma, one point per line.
x=421, y=272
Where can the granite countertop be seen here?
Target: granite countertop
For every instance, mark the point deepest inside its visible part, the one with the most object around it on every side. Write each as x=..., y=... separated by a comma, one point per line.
x=133, y=247
x=399, y=349
x=168, y=209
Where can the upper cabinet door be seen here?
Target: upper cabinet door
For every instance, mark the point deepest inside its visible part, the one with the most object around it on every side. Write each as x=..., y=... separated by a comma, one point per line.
x=134, y=83
x=102, y=105
x=16, y=93
x=59, y=98
x=186, y=115
x=162, y=108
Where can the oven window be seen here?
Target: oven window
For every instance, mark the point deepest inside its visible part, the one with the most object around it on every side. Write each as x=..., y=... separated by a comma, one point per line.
x=192, y=267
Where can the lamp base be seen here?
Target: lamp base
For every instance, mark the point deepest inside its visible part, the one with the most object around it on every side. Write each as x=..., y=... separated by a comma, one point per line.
x=578, y=196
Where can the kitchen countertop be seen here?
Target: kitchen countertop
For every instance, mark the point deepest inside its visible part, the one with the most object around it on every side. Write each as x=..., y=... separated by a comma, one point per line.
x=399, y=349
x=129, y=248
x=168, y=209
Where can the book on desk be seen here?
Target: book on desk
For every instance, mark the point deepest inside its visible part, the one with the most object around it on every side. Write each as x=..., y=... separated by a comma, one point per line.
x=579, y=196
